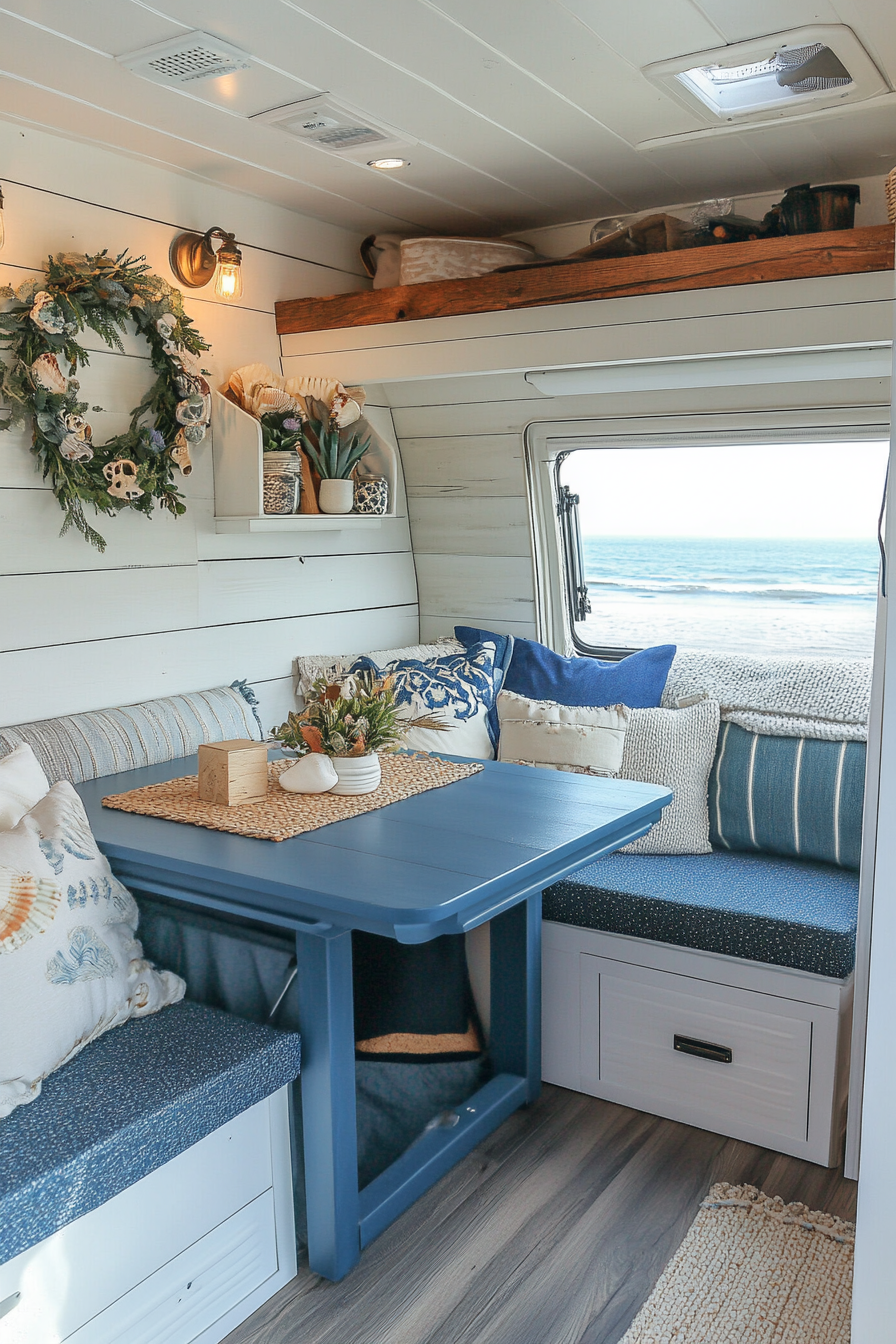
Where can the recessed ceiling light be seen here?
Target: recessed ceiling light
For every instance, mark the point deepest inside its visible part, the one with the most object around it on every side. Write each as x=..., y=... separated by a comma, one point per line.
x=388, y=164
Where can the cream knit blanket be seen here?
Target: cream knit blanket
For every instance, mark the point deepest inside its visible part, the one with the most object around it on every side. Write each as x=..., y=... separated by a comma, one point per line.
x=825, y=698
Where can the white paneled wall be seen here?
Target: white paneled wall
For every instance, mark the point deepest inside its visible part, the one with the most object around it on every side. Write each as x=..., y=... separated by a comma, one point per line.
x=461, y=404
x=172, y=606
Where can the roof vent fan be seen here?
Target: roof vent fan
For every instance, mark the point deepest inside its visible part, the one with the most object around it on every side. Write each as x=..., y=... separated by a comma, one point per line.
x=185, y=59
x=336, y=127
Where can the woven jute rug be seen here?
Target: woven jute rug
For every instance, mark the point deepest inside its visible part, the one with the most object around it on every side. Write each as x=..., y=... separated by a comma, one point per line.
x=753, y=1270
x=282, y=815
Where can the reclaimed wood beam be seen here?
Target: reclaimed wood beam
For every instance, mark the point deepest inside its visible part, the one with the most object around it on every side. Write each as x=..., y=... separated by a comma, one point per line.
x=845, y=252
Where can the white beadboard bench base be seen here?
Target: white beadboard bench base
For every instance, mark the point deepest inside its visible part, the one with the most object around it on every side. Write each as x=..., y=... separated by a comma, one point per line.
x=613, y=1006
x=183, y=1256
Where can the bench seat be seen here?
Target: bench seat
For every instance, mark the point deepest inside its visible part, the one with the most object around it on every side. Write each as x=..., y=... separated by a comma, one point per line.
x=782, y=912
x=128, y=1103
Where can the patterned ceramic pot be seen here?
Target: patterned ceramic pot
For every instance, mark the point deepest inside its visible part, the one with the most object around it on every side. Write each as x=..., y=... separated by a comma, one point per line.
x=371, y=495
x=336, y=496
x=357, y=774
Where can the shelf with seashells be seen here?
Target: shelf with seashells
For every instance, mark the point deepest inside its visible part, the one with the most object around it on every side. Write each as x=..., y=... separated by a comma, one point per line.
x=239, y=456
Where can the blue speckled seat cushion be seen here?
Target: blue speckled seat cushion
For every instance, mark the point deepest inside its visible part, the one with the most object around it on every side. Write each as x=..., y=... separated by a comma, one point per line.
x=178, y=1075
x=780, y=911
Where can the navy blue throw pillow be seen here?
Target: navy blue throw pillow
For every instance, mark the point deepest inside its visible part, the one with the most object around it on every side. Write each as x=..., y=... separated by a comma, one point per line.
x=540, y=674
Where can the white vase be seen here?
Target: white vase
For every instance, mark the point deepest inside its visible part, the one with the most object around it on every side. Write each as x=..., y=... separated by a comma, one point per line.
x=336, y=496
x=357, y=774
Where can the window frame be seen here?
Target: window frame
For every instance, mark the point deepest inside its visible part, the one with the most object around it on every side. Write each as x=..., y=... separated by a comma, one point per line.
x=547, y=443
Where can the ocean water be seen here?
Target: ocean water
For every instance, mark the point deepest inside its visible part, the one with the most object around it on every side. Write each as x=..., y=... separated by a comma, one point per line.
x=732, y=595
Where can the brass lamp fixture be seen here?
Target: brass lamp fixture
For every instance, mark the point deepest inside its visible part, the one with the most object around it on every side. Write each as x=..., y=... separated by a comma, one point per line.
x=195, y=261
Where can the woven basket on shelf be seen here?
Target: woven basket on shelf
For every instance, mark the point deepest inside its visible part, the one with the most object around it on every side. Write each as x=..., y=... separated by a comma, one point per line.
x=890, y=190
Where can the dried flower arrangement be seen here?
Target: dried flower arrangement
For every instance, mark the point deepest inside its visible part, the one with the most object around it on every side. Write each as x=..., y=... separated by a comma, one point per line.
x=356, y=718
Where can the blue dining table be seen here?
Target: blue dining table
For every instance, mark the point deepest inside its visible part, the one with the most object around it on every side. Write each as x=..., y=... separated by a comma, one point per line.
x=478, y=850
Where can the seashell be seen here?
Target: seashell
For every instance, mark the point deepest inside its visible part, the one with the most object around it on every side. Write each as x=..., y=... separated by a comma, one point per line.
x=165, y=326
x=194, y=410
x=270, y=400
x=242, y=381
x=314, y=773
x=195, y=433
x=27, y=906
x=180, y=453
x=77, y=425
x=343, y=410
x=192, y=385
x=75, y=449
x=122, y=477
x=47, y=374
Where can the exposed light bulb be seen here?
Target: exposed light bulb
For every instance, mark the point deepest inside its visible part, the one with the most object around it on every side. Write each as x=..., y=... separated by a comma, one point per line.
x=228, y=280
x=2, y=222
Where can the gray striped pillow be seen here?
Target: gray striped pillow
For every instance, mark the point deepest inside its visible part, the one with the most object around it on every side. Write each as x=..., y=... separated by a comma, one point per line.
x=105, y=741
x=795, y=796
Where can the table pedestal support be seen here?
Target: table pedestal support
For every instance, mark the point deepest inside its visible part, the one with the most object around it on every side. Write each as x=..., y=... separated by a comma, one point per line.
x=340, y=1220
x=330, y=1133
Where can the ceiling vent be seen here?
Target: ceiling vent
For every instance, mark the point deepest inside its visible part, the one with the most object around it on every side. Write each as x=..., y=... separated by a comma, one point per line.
x=186, y=59
x=777, y=76
x=338, y=128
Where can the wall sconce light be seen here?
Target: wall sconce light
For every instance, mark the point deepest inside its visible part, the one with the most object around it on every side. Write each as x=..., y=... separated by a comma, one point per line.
x=2, y=223
x=194, y=261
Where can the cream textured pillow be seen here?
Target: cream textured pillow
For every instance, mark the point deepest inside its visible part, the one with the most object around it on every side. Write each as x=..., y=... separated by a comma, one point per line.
x=541, y=732
x=674, y=747
x=22, y=784
x=70, y=965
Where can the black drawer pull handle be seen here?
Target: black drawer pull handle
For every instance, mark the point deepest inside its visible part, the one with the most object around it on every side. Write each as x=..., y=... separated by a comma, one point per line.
x=721, y=1054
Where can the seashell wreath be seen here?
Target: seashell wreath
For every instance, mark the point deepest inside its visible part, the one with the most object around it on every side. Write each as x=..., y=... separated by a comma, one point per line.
x=39, y=327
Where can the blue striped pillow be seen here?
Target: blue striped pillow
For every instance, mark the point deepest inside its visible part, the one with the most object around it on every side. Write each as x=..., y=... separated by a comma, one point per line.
x=787, y=795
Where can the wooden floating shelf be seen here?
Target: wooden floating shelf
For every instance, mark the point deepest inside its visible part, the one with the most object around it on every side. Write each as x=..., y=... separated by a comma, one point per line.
x=299, y=522
x=845, y=252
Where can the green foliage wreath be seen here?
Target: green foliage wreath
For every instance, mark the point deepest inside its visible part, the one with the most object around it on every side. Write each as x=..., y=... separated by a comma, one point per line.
x=40, y=326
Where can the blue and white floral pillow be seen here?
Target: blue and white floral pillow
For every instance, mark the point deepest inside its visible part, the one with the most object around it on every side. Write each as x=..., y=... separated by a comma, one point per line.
x=71, y=966
x=459, y=689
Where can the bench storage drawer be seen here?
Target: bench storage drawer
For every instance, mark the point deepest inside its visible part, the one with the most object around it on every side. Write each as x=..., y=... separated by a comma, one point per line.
x=711, y=1055
x=761, y=1051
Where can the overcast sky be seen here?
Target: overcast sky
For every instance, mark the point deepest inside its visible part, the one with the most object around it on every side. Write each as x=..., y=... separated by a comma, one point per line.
x=785, y=490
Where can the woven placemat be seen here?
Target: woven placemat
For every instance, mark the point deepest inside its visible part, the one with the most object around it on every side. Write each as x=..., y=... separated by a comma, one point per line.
x=282, y=815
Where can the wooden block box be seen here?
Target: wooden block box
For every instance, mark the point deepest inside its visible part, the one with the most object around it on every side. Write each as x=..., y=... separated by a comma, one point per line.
x=233, y=772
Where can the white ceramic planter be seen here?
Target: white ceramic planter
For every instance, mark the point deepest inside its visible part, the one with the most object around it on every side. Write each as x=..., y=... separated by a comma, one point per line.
x=336, y=496
x=357, y=774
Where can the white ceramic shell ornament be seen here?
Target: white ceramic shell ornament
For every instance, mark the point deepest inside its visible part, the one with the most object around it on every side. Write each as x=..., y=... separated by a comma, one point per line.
x=314, y=773
x=122, y=477
x=180, y=453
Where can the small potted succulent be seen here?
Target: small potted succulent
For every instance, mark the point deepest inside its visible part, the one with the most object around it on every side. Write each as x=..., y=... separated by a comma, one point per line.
x=334, y=454
x=351, y=723
x=281, y=435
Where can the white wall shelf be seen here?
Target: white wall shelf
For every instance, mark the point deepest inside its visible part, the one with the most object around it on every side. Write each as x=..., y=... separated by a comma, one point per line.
x=238, y=462
x=299, y=522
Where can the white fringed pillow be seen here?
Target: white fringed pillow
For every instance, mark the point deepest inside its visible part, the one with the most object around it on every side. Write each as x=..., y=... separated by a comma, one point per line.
x=674, y=747
x=22, y=784
x=70, y=965
x=542, y=732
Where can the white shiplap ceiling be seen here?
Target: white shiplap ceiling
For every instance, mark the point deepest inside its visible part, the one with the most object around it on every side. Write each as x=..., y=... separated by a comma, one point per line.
x=526, y=112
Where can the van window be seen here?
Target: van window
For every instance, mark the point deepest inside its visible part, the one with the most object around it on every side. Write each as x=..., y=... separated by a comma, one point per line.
x=767, y=549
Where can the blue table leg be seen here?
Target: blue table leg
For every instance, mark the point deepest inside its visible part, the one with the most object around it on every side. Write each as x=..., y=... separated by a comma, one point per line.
x=326, y=1021
x=516, y=993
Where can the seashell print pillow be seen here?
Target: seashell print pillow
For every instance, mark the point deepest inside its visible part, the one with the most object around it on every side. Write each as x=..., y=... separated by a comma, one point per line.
x=22, y=784
x=71, y=966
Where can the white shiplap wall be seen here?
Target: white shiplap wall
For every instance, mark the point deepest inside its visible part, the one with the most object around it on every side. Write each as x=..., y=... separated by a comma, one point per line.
x=171, y=606
x=460, y=405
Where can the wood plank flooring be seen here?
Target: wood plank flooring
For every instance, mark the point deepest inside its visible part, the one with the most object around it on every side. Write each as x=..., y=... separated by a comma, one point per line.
x=553, y=1231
